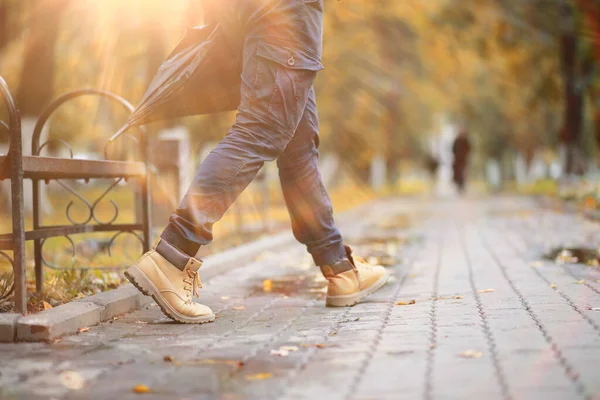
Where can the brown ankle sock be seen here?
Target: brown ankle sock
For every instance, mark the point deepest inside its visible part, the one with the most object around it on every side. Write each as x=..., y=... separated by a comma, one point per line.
x=340, y=266
x=172, y=254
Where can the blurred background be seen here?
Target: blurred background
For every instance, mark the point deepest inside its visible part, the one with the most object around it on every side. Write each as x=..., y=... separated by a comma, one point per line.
x=517, y=79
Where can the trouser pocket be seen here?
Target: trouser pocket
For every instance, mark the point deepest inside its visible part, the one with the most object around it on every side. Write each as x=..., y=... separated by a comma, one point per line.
x=284, y=77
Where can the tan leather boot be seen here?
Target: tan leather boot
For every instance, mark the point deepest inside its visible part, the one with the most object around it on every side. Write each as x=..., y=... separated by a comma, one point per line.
x=172, y=287
x=348, y=287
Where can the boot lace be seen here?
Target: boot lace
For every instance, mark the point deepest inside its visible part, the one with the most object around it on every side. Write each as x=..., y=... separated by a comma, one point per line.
x=194, y=282
x=363, y=263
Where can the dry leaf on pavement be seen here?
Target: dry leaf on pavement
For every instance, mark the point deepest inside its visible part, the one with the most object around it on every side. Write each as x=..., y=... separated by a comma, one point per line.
x=233, y=363
x=280, y=353
x=225, y=297
x=141, y=389
x=403, y=303
x=317, y=345
x=536, y=264
x=553, y=285
x=457, y=297
x=267, y=285
x=81, y=330
x=486, y=290
x=471, y=354
x=581, y=282
x=72, y=380
x=259, y=377
x=239, y=308
x=46, y=305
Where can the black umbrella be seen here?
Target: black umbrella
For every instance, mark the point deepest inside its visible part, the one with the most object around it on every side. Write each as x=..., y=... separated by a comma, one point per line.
x=201, y=76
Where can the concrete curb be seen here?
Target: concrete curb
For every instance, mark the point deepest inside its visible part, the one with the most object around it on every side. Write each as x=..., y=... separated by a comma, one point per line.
x=8, y=327
x=58, y=321
x=117, y=301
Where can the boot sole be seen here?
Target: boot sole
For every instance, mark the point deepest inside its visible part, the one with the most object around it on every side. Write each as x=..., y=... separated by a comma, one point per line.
x=145, y=285
x=352, y=299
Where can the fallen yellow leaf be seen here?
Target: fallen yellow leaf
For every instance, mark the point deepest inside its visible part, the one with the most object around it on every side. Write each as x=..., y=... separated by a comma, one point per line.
x=239, y=308
x=486, y=291
x=259, y=377
x=234, y=363
x=141, y=389
x=81, y=330
x=317, y=345
x=553, y=285
x=72, y=380
x=225, y=297
x=471, y=354
x=46, y=305
x=536, y=264
x=267, y=285
x=403, y=303
x=581, y=282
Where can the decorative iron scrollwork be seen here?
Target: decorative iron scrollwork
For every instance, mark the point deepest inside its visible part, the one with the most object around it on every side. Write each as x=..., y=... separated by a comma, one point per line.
x=8, y=293
x=64, y=143
x=116, y=208
x=106, y=245
x=91, y=206
x=46, y=263
x=110, y=243
x=82, y=199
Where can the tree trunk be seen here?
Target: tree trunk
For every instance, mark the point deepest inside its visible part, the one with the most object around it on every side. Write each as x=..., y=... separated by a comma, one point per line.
x=573, y=108
x=591, y=11
x=3, y=24
x=592, y=15
x=36, y=86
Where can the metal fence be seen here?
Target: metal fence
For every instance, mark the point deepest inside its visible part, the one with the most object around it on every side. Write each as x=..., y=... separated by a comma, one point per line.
x=40, y=170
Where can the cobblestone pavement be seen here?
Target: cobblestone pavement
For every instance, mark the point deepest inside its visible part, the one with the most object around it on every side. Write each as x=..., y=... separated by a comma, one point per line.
x=490, y=320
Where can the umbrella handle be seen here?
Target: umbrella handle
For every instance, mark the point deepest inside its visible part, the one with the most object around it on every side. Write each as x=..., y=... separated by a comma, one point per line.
x=121, y=131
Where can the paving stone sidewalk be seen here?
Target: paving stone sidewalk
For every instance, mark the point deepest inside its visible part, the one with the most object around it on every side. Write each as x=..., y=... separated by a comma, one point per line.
x=490, y=320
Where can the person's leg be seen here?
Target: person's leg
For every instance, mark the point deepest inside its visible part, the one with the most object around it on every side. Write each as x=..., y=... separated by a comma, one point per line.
x=305, y=195
x=350, y=278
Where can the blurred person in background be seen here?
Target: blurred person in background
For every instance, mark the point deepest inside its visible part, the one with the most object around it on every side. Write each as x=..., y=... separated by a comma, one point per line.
x=432, y=165
x=276, y=120
x=461, y=148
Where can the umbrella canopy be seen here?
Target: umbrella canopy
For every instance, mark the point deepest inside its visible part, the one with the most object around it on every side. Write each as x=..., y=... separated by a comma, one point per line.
x=200, y=76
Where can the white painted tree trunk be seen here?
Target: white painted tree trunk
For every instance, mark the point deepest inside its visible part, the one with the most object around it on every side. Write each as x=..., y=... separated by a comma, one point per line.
x=378, y=172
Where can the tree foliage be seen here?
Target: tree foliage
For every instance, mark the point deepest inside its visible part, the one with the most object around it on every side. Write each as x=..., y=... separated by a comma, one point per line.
x=516, y=72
